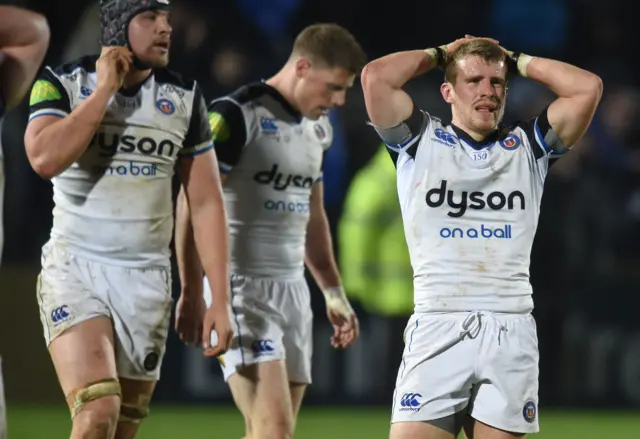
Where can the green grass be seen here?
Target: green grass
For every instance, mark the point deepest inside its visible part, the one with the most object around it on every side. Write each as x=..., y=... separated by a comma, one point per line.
x=35, y=422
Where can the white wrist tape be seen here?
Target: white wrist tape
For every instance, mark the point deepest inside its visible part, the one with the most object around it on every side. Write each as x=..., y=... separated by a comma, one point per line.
x=336, y=299
x=523, y=62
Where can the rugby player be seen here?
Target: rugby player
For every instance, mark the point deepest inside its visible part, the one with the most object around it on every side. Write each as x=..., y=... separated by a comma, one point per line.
x=109, y=131
x=470, y=195
x=270, y=138
x=24, y=38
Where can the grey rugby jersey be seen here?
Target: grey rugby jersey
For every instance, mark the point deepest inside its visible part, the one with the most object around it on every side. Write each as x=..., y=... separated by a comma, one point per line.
x=470, y=210
x=114, y=205
x=272, y=158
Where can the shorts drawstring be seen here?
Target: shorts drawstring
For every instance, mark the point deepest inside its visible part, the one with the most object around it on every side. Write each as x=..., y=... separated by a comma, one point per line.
x=472, y=324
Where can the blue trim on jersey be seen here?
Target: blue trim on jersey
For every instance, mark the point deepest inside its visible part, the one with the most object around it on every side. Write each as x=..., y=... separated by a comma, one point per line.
x=223, y=171
x=539, y=133
x=401, y=145
x=201, y=151
x=319, y=179
x=46, y=114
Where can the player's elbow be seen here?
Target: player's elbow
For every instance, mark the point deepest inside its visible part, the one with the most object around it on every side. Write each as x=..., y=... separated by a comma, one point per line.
x=34, y=29
x=41, y=162
x=370, y=76
x=183, y=216
x=595, y=88
x=44, y=167
x=40, y=31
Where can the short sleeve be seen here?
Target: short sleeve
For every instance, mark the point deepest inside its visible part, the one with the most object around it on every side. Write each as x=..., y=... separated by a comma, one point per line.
x=48, y=97
x=404, y=137
x=228, y=128
x=544, y=140
x=198, y=138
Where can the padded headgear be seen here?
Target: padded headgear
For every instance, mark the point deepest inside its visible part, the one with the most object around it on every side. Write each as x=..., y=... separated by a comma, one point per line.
x=115, y=16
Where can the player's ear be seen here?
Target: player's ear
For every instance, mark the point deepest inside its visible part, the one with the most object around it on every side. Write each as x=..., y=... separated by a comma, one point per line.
x=446, y=89
x=302, y=67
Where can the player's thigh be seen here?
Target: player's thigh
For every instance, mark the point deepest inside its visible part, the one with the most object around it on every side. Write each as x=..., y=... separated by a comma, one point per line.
x=84, y=354
x=506, y=396
x=478, y=430
x=296, y=317
x=134, y=408
x=141, y=304
x=257, y=330
x=436, y=372
x=261, y=392
x=418, y=430
x=84, y=360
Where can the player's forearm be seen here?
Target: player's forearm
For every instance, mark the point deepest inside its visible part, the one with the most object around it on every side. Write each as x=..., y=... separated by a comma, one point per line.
x=59, y=145
x=319, y=256
x=212, y=241
x=189, y=266
x=565, y=80
x=24, y=38
x=396, y=69
x=20, y=27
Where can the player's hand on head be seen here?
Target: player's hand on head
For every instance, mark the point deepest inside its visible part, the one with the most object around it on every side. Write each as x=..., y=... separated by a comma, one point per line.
x=346, y=327
x=453, y=46
x=218, y=319
x=112, y=66
x=190, y=311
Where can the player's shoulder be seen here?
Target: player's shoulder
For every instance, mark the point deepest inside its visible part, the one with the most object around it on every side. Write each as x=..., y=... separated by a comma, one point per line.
x=164, y=76
x=240, y=104
x=85, y=64
x=522, y=130
x=249, y=93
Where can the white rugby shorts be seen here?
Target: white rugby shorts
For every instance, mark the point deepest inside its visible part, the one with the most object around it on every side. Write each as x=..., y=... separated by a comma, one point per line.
x=483, y=363
x=72, y=290
x=271, y=320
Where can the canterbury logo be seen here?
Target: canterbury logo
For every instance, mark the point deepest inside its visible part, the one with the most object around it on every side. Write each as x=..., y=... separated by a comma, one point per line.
x=262, y=346
x=410, y=400
x=59, y=314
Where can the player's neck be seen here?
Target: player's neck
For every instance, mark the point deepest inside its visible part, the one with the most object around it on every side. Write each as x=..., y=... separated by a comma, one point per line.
x=284, y=83
x=134, y=78
x=478, y=136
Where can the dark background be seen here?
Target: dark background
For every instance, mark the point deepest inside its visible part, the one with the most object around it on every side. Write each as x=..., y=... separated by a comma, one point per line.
x=584, y=270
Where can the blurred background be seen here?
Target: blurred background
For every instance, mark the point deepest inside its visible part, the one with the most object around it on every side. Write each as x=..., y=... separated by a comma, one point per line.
x=586, y=257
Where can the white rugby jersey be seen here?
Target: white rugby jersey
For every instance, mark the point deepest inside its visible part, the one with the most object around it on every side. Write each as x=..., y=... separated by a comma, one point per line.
x=272, y=157
x=470, y=210
x=114, y=205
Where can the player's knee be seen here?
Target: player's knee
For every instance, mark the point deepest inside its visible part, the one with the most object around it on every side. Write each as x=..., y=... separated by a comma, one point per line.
x=95, y=408
x=248, y=427
x=98, y=419
x=272, y=427
x=134, y=413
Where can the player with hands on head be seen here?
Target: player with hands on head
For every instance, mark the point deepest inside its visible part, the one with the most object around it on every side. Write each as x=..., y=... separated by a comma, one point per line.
x=470, y=195
x=270, y=138
x=109, y=131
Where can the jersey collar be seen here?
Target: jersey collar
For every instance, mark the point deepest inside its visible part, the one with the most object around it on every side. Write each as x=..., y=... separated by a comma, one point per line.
x=477, y=144
x=284, y=103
